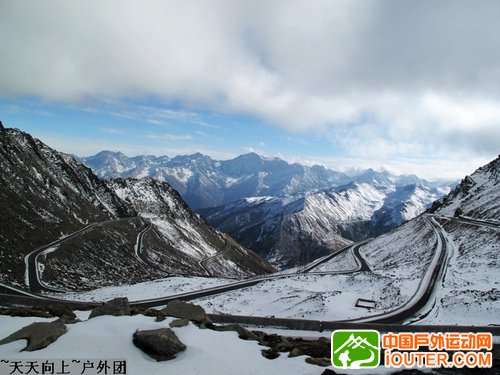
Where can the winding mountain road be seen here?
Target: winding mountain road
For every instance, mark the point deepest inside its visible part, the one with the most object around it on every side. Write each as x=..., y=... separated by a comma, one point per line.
x=33, y=278
x=138, y=244
x=472, y=221
x=32, y=272
x=399, y=314
x=202, y=262
x=425, y=288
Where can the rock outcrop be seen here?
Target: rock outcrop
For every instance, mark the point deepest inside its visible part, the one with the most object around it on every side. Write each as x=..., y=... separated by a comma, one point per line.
x=39, y=335
x=115, y=307
x=161, y=344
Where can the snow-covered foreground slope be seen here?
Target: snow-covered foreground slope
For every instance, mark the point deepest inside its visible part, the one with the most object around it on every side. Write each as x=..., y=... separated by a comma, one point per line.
x=105, y=337
x=470, y=288
x=392, y=280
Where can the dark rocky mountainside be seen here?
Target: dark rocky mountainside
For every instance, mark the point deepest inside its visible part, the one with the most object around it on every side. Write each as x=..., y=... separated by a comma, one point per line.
x=46, y=195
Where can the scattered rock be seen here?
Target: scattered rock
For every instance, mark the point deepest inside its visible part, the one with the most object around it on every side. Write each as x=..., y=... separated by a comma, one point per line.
x=39, y=335
x=295, y=352
x=270, y=353
x=66, y=316
x=328, y=372
x=323, y=362
x=151, y=312
x=115, y=307
x=160, y=318
x=185, y=310
x=243, y=333
x=25, y=312
x=161, y=344
x=179, y=323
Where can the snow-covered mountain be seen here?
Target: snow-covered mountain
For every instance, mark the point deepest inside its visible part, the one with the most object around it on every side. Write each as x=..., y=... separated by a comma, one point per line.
x=288, y=213
x=46, y=195
x=476, y=196
x=467, y=291
x=182, y=234
x=292, y=230
x=433, y=269
x=204, y=182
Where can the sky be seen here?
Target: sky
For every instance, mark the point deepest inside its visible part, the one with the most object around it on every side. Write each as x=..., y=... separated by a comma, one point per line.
x=404, y=86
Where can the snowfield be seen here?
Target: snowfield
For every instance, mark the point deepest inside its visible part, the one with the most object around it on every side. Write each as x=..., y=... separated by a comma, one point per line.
x=105, y=337
x=147, y=290
x=320, y=297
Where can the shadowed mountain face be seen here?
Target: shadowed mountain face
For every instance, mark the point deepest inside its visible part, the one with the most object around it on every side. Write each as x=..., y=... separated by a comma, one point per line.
x=46, y=195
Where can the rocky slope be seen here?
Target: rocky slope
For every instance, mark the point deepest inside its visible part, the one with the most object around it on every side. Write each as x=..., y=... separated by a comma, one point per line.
x=476, y=196
x=183, y=231
x=294, y=230
x=46, y=195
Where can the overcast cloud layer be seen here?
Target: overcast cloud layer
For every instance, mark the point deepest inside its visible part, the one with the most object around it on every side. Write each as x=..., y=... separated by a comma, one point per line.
x=385, y=79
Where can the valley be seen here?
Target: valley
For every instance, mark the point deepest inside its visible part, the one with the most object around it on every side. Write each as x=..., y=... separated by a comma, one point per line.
x=140, y=240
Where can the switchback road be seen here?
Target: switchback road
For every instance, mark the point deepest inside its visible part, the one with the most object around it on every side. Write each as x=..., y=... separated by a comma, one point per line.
x=32, y=271
x=424, y=289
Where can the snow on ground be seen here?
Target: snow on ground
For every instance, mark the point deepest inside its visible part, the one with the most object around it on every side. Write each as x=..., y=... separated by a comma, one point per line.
x=341, y=262
x=105, y=337
x=321, y=297
x=148, y=289
x=470, y=290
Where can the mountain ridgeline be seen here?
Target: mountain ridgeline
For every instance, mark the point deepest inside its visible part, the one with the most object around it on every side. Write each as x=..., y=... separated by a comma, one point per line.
x=288, y=213
x=204, y=182
x=46, y=195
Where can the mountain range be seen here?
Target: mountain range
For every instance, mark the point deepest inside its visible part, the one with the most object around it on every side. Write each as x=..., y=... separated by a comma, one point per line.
x=439, y=268
x=205, y=182
x=288, y=213
x=124, y=230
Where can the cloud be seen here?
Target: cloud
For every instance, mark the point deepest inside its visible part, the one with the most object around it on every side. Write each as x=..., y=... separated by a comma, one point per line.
x=397, y=78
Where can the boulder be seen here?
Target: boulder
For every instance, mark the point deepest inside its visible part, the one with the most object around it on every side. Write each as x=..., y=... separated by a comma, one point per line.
x=323, y=362
x=115, y=307
x=179, y=323
x=185, y=310
x=328, y=372
x=39, y=335
x=295, y=352
x=270, y=353
x=161, y=344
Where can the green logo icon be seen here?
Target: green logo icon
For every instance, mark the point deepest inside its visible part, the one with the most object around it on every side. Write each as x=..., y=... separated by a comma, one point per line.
x=355, y=349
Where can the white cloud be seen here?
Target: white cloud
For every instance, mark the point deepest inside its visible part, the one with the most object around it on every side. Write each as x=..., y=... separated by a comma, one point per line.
x=381, y=78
